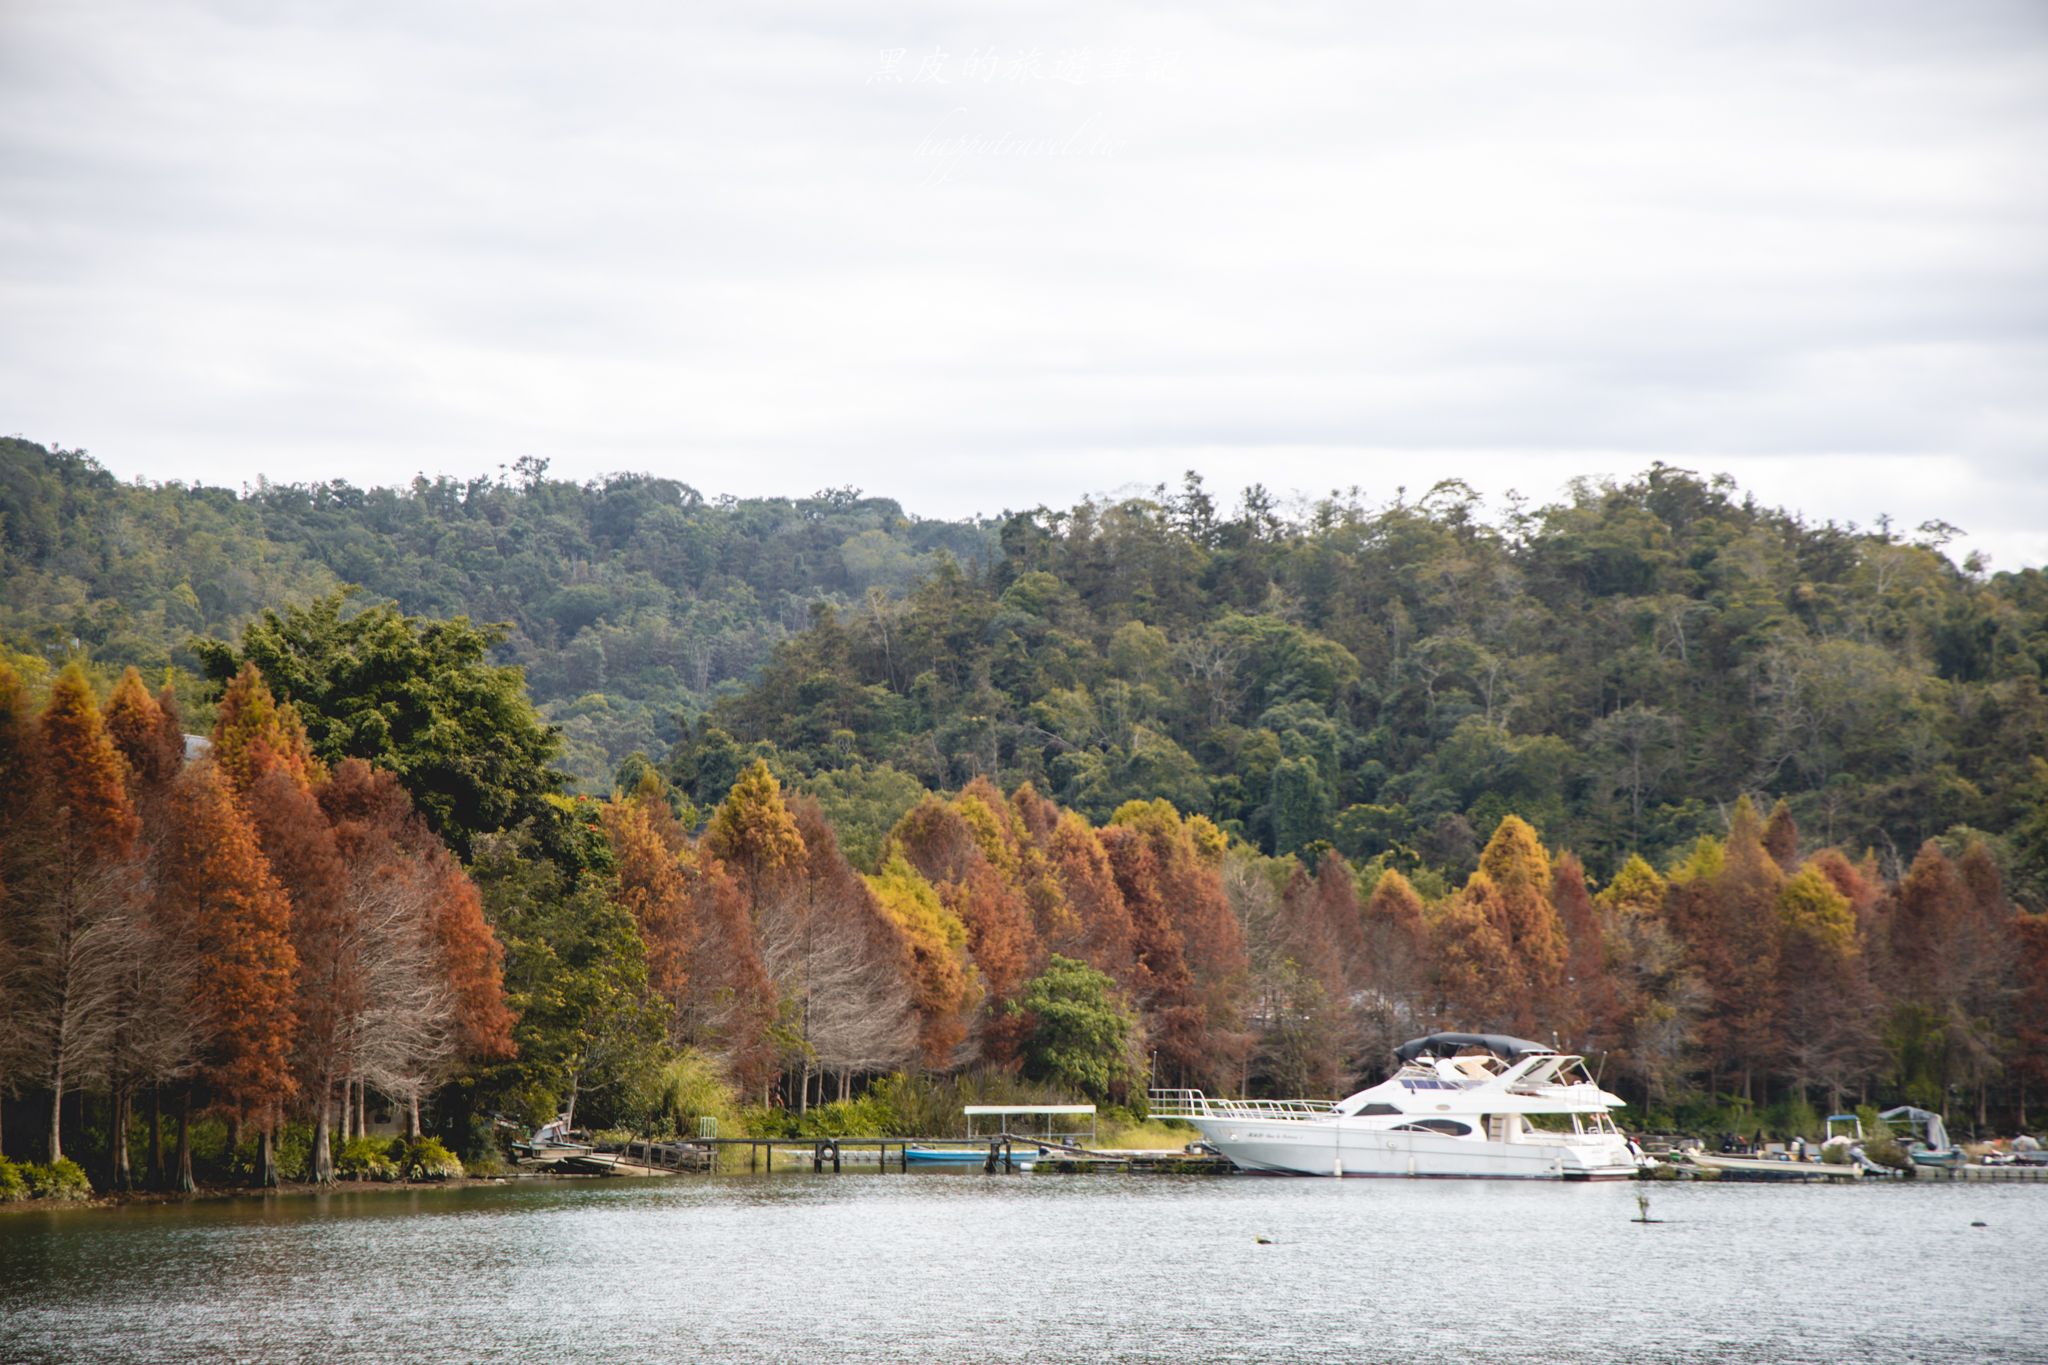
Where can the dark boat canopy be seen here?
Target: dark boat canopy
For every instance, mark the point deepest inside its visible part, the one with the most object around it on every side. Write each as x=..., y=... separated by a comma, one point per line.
x=1448, y=1044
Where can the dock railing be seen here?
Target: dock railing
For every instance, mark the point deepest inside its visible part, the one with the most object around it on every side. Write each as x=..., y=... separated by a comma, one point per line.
x=1193, y=1104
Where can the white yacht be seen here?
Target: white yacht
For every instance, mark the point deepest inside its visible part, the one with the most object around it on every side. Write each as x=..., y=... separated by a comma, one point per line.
x=1461, y=1104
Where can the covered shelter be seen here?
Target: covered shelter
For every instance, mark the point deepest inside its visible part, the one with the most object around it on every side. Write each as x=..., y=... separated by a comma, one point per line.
x=1039, y=1122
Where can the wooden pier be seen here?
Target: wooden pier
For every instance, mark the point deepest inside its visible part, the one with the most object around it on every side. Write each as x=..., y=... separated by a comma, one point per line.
x=1000, y=1153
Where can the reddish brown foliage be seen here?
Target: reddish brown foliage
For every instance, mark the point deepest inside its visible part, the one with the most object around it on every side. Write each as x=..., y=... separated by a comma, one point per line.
x=135, y=722
x=1306, y=938
x=1930, y=913
x=1337, y=908
x=1729, y=924
x=1781, y=837
x=253, y=730
x=1476, y=969
x=1590, y=1014
x=217, y=897
x=2031, y=933
x=938, y=840
x=471, y=958
x=84, y=776
x=1396, y=951
x=1089, y=887
x=652, y=886
x=298, y=843
x=730, y=1001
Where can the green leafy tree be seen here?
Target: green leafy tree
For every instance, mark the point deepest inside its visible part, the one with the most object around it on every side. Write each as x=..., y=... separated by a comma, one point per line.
x=418, y=697
x=591, y=1032
x=1082, y=1034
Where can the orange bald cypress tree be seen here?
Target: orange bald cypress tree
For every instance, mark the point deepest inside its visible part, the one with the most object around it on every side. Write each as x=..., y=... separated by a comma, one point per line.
x=135, y=722
x=850, y=967
x=730, y=1001
x=1396, y=944
x=1589, y=1014
x=331, y=1000
x=1930, y=913
x=1518, y=866
x=950, y=844
x=944, y=983
x=77, y=888
x=1725, y=910
x=472, y=961
x=1306, y=936
x=85, y=776
x=17, y=800
x=270, y=766
x=1301, y=1046
x=647, y=846
x=1478, y=977
x=1829, y=1017
x=1165, y=988
x=253, y=730
x=1781, y=837
x=1188, y=858
x=430, y=963
x=1088, y=884
x=153, y=1037
x=1338, y=909
x=753, y=834
x=1030, y=820
x=2031, y=1062
x=217, y=897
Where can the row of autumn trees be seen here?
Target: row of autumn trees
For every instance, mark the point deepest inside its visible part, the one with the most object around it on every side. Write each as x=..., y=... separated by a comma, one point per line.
x=780, y=958
x=247, y=933
x=258, y=934
x=1752, y=967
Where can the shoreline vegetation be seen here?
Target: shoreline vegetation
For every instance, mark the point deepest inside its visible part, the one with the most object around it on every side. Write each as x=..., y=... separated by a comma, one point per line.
x=1751, y=813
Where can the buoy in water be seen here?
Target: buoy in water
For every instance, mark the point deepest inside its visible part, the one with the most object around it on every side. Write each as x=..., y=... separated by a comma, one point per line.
x=1980, y=1225
x=1268, y=1241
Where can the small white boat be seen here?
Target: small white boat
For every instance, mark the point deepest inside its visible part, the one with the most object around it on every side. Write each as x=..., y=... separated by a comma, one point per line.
x=1771, y=1167
x=1476, y=1105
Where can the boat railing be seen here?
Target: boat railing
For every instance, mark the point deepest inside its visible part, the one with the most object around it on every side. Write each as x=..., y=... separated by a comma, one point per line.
x=1193, y=1104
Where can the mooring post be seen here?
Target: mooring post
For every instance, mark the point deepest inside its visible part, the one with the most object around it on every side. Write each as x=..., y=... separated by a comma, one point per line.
x=835, y=1156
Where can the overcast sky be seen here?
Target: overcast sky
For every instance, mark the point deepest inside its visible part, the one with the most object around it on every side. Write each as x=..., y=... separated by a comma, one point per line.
x=984, y=256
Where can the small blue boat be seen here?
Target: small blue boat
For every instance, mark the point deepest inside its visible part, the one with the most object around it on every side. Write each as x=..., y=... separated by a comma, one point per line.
x=963, y=1156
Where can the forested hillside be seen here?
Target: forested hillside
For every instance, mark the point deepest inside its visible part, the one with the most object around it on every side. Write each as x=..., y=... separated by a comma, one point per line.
x=629, y=600
x=1393, y=679
x=1389, y=679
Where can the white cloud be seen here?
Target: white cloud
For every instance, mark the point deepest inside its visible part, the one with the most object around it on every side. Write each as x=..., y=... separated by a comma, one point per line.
x=1324, y=245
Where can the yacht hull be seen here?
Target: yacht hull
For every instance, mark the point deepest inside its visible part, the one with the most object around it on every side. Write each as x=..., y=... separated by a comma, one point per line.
x=1337, y=1148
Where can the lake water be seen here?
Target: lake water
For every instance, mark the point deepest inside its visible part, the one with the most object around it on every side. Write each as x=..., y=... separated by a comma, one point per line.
x=967, y=1267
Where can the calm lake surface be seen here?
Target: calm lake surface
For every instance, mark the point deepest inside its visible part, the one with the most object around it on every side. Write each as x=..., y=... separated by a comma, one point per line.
x=967, y=1267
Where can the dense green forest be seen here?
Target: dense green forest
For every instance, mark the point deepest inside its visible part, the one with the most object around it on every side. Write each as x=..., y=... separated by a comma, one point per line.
x=628, y=602
x=1392, y=680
